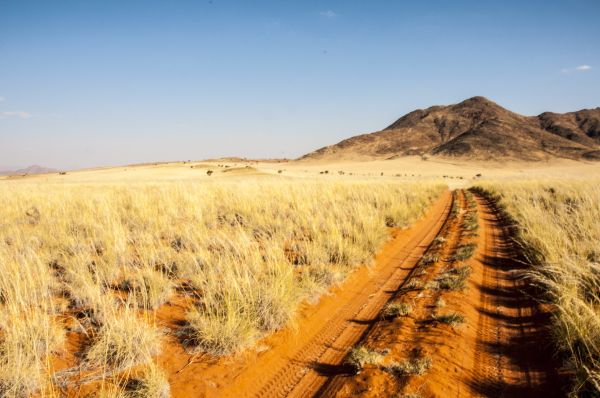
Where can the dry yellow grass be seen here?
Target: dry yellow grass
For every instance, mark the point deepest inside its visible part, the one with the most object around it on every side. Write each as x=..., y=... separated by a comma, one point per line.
x=559, y=227
x=99, y=259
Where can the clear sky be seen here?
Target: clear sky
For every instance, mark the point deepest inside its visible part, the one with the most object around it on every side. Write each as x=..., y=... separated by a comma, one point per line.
x=87, y=83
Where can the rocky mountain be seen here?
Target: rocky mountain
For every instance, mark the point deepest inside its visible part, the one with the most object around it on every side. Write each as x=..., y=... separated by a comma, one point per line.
x=477, y=128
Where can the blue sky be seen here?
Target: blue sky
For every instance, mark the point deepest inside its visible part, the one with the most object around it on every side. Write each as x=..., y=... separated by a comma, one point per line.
x=87, y=83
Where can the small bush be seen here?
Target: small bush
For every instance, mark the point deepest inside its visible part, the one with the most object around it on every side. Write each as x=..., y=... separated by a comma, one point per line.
x=390, y=222
x=470, y=223
x=414, y=284
x=152, y=383
x=429, y=259
x=393, y=310
x=455, y=279
x=123, y=341
x=452, y=318
x=361, y=356
x=149, y=288
x=432, y=285
x=465, y=252
x=410, y=367
x=220, y=334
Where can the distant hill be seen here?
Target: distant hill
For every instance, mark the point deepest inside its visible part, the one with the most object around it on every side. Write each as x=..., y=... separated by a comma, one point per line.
x=476, y=128
x=35, y=169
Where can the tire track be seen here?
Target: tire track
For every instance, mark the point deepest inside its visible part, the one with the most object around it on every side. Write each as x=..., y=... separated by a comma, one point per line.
x=499, y=351
x=511, y=358
x=412, y=341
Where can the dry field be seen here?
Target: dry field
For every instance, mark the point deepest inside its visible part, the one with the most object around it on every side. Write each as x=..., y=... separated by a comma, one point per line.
x=88, y=269
x=162, y=280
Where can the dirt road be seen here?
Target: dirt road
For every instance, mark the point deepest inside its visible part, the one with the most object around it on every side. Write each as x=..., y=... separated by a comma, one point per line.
x=501, y=349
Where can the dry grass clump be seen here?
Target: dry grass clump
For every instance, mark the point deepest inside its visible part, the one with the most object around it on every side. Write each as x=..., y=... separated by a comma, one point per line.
x=361, y=356
x=150, y=288
x=151, y=383
x=465, y=251
x=454, y=279
x=453, y=318
x=108, y=255
x=414, y=284
x=124, y=340
x=429, y=259
x=415, y=366
x=557, y=225
x=394, y=310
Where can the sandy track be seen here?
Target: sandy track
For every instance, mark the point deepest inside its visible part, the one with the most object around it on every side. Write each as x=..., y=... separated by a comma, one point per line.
x=513, y=354
x=406, y=337
x=299, y=363
x=501, y=350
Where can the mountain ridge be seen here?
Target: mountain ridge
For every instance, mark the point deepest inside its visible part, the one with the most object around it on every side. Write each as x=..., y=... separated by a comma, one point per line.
x=477, y=128
x=33, y=169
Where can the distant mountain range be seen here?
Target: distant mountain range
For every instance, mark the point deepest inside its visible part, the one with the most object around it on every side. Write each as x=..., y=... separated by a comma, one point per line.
x=477, y=128
x=35, y=169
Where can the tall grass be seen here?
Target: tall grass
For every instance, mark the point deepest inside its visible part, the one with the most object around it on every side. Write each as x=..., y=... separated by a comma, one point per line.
x=559, y=226
x=100, y=259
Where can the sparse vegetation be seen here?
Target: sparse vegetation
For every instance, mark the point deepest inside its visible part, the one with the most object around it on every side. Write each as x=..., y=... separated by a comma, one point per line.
x=414, y=284
x=465, y=252
x=429, y=259
x=454, y=209
x=452, y=318
x=361, y=356
x=410, y=367
x=470, y=222
x=454, y=279
x=394, y=310
x=439, y=240
x=151, y=383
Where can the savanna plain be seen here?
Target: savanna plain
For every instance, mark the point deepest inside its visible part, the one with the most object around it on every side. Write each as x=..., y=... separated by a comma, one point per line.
x=408, y=278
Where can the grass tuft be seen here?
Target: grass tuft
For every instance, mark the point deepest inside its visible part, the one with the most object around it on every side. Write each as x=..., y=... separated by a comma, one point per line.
x=455, y=279
x=394, y=310
x=151, y=383
x=361, y=356
x=465, y=252
x=453, y=318
x=410, y=367
x=124, y=340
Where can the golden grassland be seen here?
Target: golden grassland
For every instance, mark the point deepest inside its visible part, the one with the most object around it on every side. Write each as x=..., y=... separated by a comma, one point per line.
x=99, y=259
x=558, y=224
